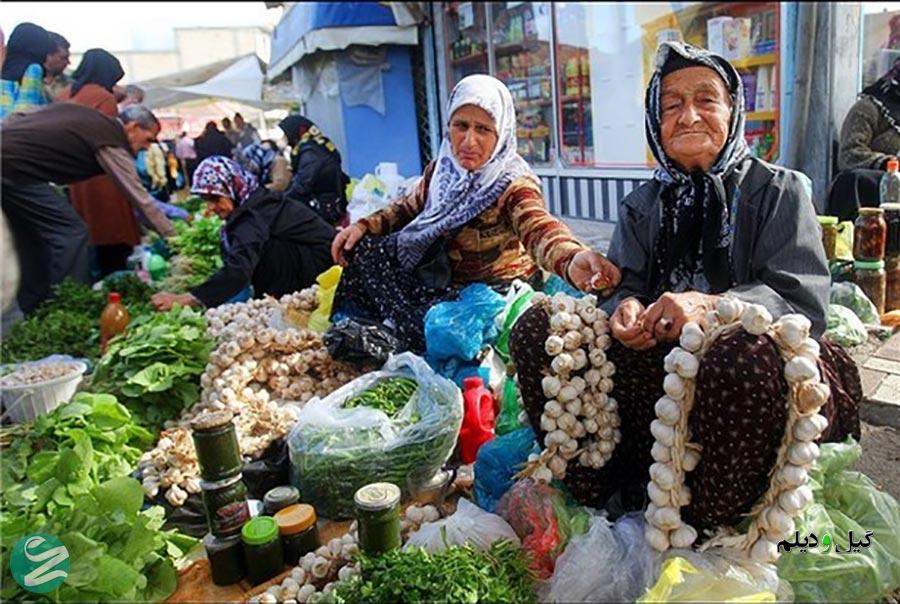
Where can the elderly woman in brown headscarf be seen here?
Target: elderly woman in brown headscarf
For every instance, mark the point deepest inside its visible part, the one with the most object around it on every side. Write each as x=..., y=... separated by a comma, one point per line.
x=111, y=222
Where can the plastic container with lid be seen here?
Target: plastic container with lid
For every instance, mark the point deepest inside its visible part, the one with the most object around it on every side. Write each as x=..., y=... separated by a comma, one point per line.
x=263, y=553
x=892, y=283
x=215, y=440
x=226, y=558
x=226, y=505
x=279, y=498
x=889, y=187
x=299, y=535
x=378, y=515
x=113, y=320
x=892, y=219
x=478, y=419
x=871, y=278
x=869, y=235
x=829, y=234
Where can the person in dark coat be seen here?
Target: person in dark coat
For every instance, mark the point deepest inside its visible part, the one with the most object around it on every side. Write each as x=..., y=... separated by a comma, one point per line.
x=212, y=142
x=277, y=245
x=318, y=180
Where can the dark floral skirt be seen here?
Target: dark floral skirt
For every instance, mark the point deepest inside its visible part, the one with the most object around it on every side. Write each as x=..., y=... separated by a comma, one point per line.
x=375, y=285
x=738, y=418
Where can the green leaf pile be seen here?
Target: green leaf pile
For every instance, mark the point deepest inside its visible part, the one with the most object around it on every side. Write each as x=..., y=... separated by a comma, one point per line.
x=457, y=574
x=196, y=253
x=66, y=475
x=154, y=368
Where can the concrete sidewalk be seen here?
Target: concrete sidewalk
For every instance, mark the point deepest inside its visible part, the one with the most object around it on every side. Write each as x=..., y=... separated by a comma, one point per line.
x=879, y=369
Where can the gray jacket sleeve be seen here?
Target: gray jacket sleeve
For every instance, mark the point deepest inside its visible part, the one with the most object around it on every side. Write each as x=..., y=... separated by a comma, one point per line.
x=787, y=257
x=628, y=250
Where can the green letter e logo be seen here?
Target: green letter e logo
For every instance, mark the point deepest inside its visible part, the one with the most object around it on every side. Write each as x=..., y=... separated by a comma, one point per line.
x=39, y=563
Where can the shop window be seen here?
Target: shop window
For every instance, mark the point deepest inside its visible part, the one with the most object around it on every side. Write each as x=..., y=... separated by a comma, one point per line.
x=521, y=44
x=605, y=55
x=880, y=40
x=466, y=35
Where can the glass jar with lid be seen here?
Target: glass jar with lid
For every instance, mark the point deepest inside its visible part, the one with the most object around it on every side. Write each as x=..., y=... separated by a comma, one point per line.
x=871, y=278
x=829, y=228
x=869, y=235
x=378, y=515
x=892, y=287
x=263, y=553
x=299, y=535
x=892, y=219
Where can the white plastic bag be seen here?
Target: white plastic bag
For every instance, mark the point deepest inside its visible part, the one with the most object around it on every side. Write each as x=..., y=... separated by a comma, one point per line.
x=369, y=196
x=609, y=563
x=335, y=451
x=469, y=524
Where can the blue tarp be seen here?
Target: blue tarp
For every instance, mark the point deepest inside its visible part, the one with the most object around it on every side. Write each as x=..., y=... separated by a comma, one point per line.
x=305, y=17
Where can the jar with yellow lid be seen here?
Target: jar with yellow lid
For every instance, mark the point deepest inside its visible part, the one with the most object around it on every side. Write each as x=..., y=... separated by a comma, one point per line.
x=829, y=225
x=299, y=535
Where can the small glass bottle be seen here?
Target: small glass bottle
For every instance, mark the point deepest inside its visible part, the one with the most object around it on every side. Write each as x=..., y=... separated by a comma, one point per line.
x=378, y=515
x=113, y=320
x=871, y=278
x=869, y=235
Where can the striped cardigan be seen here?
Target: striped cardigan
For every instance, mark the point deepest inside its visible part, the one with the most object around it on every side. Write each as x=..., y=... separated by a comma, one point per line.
x=509, y=240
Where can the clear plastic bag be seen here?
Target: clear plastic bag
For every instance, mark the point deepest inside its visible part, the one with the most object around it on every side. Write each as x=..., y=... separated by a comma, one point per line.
x=498, y=460
x=844, y=327
x=469, y=524
x=845, y=500
x=459, y=329
x=335, y=451
x=609, y=563
x=851, y=296
x=368, y=196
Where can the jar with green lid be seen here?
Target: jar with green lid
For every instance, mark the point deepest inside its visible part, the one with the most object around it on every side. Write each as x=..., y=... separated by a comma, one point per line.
x=215, y=440
x=378, y=517
x=299, y=535
x=226, y=505
x=829, y=234
x=226, y=558
x=892, y=283
x=279, y=498
x=263, y=554
x=871, y=278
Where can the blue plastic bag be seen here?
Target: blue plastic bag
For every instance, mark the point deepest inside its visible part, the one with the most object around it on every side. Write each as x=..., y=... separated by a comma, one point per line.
x=498, y=460
x=460, y=329
x=555, y=284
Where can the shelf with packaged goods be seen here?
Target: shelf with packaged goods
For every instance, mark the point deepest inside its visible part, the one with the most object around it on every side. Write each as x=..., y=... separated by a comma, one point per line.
x=475, y=58
x=754, y=61
x=760, y=116
x=533, y=102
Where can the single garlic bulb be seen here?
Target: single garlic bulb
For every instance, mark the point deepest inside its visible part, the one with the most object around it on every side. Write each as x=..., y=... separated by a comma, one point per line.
x=728, y=309
x=756, y=319
x=551, y=386
x=667, y=410
x=684, y=536
x=812, y=396
x=674, y=386
x=800, y=369
x=554, y=345
x=691, y=337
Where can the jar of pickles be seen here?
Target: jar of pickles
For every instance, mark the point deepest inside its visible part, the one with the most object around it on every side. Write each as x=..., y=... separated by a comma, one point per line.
x=829, y=226
x=871, y=278
x=378, y=515
x=869, y=235
x=892, y=279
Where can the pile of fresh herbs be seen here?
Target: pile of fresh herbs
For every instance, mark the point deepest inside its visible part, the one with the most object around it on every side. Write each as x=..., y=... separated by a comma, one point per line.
x=154, y=368
x=457, y=574
x=196, y=253
x=67, y=475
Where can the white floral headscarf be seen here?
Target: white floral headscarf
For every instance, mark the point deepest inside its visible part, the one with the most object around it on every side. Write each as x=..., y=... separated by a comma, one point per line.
x=456, y=195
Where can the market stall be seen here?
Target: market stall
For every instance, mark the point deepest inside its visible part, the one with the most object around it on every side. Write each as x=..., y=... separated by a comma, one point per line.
x=257, y=452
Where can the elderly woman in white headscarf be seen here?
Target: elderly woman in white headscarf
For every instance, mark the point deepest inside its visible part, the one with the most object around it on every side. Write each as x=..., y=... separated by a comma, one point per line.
x=477, y=215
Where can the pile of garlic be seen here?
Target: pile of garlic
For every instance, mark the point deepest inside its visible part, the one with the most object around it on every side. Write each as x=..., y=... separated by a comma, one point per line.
x=317, y=572
x=787, y=495
x=580, y=418
x=413, y=517
x=225, y=321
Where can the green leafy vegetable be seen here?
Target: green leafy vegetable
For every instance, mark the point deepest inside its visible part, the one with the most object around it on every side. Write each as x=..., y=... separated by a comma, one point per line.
x=197, y=256
x=389, y=395
x=458, y=574
x=154, y=368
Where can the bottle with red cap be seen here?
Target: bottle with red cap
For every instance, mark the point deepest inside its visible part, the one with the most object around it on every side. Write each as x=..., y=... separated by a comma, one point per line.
x=478, y=418
x=113, y=320
x=889, y=188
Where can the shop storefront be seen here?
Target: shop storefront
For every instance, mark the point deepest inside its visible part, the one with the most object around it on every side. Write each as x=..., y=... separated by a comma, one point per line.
x=578, y=71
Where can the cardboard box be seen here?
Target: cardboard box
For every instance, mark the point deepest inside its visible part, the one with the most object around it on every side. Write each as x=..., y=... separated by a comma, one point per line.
x=715, y=34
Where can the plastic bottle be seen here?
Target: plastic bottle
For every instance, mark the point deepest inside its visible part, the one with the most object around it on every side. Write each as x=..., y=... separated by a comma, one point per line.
x=478, y=418
x=890, y=183
x=113, y=320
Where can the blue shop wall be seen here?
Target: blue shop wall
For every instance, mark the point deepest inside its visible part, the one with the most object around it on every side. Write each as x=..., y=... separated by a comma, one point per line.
x=373, y=138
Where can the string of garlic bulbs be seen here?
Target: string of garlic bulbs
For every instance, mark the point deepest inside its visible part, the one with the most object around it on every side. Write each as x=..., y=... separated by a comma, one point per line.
x=223, y=322
x=787, y=494
x=580, y=419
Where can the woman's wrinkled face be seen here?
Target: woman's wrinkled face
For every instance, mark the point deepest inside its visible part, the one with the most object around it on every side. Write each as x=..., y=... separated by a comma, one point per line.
x=219, y=205
x=696, y=111
x=473, y=136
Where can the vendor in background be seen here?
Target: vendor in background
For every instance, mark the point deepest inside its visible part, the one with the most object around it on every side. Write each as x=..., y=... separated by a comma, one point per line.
x=111, y=222
x=22, y=76
x=246, y=133
x=184, y=151
x=482, y=201
x=317, y=179
x=65, y=143
x=55, y=64
x=712, y=221
x=276, y=245
x=870, y=137
x=212, y=141
x=265, y=161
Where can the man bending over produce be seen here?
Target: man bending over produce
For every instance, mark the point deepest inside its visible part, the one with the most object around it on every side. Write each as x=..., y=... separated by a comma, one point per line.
x=65, y=143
